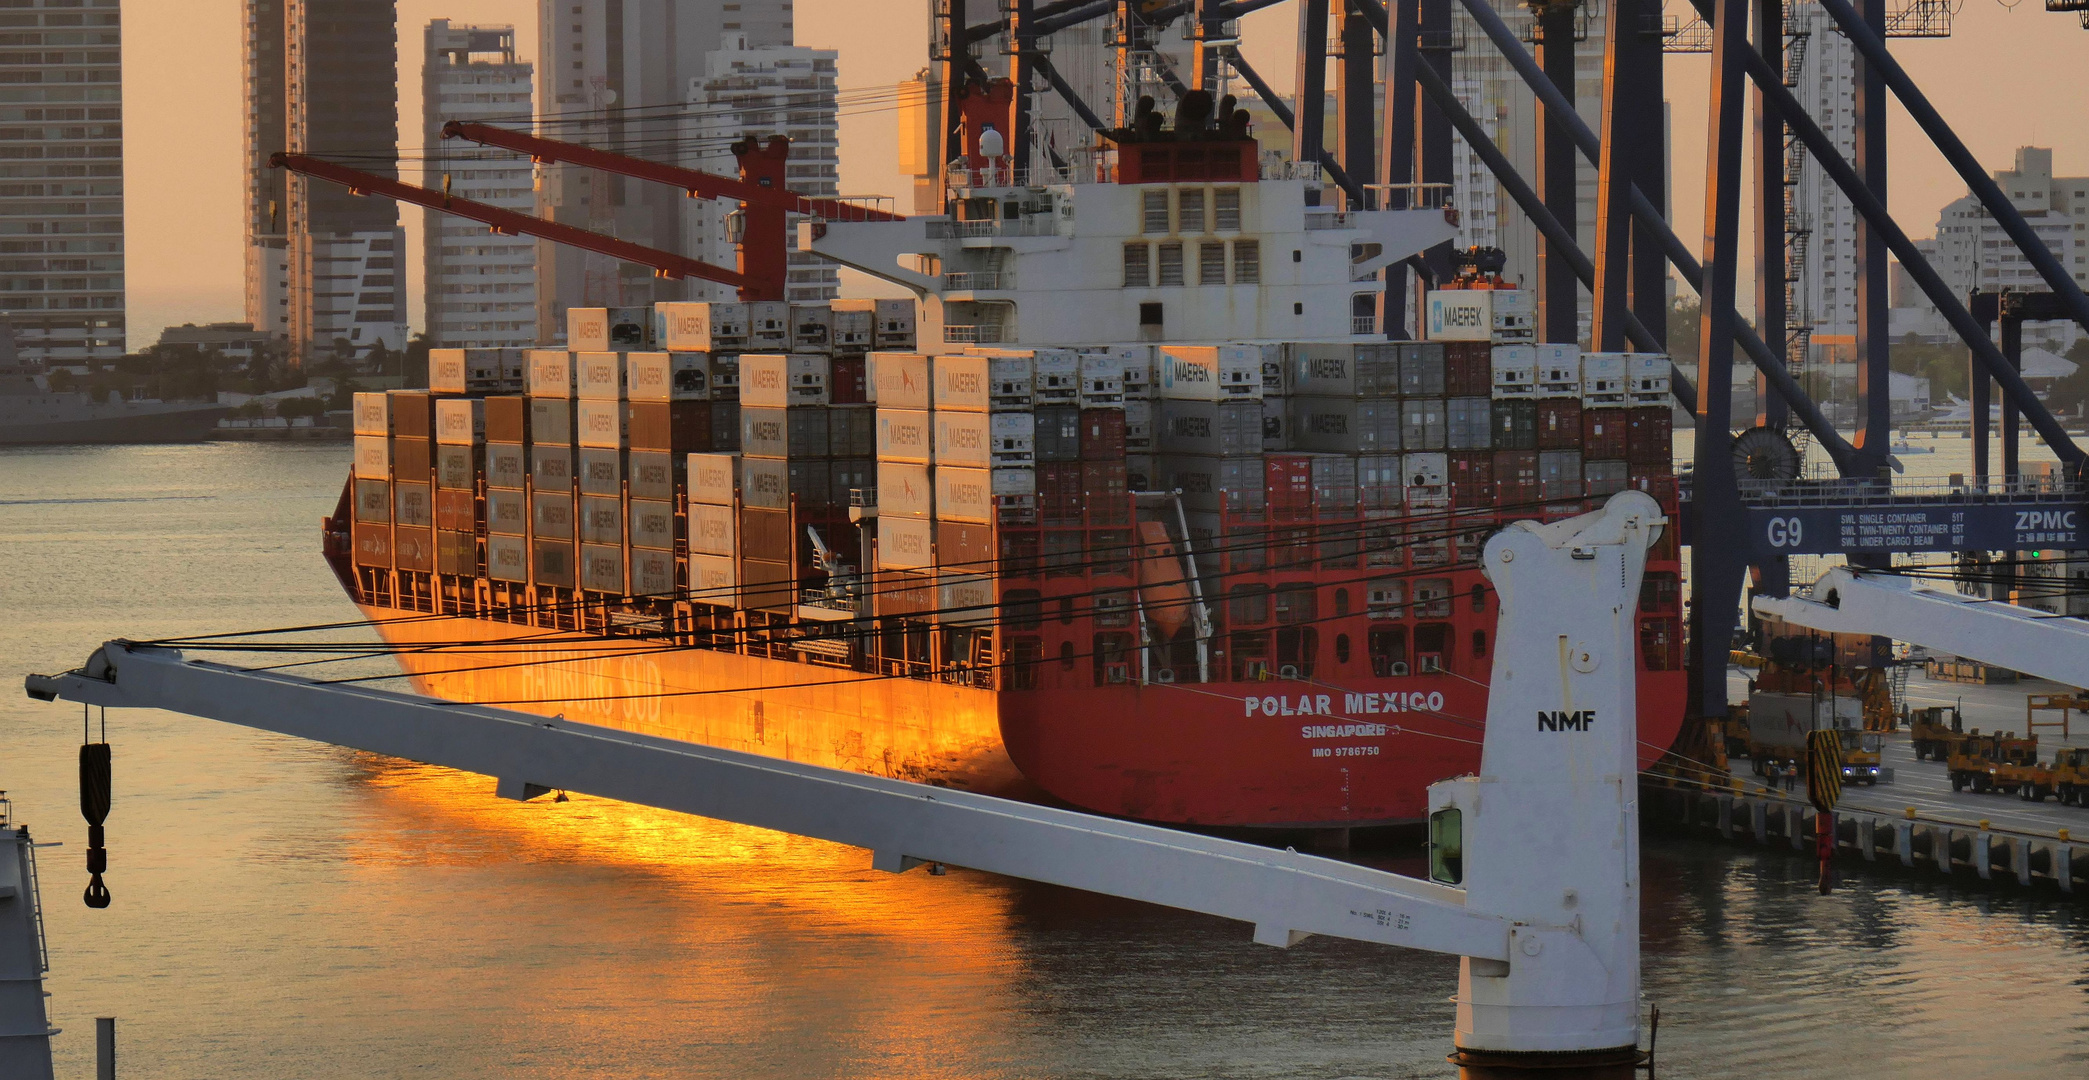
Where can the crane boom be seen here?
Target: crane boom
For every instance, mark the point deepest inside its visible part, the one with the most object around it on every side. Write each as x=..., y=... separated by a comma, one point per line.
x=664, y=263
x=697, y=183
x=1843, y=601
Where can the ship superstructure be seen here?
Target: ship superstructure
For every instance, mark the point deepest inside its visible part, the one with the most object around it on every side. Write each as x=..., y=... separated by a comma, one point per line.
x=1138, y=515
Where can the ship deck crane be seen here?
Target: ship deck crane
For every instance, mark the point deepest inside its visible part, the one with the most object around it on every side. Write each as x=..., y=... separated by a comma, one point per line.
x=1534, y=861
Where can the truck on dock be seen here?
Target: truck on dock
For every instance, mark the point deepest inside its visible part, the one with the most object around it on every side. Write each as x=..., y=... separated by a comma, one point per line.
x=2066, y=778
x=1779, y=722
x=1994, y=762
x=1935, y=732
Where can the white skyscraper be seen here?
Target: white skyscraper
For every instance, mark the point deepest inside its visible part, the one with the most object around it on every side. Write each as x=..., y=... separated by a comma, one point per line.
x=481, y=287
x=1825, y=257
x=1973, y=252
x=757, y=92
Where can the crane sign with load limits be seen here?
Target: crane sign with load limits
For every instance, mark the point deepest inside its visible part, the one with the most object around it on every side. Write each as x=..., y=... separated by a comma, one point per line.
x=1533, y=874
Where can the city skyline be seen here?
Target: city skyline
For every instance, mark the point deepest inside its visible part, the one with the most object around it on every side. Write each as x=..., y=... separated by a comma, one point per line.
x=185, y=246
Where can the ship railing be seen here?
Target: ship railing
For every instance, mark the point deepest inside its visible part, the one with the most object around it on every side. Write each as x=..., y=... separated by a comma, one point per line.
x=977, y=280
x=1317, y=220
x=972, y=333
x=1363, y=324
x=1408, y=196
x=1033, y=225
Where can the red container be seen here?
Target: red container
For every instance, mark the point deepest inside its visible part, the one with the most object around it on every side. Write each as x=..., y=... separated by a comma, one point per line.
x=413, y=460
x=413, y=414
x=1650, y=439
x=1472, y=478
x=456, y=511
x=1602, y=433
x=846, y=384
x=1468, y=368
x=1102, y=434
x=414, y=548
x=682, y=427
x=1288, y=486
x=1059, y=492
x=1516, y=478
x=1105, y=491
x=506, y=419
x=373, y=545
x=1559, y=423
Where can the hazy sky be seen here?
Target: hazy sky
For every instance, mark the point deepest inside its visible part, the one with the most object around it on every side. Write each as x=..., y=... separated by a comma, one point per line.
x=2009, y=77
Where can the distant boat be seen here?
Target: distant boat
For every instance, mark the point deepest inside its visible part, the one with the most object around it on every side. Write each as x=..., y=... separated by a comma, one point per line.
x=31, y=415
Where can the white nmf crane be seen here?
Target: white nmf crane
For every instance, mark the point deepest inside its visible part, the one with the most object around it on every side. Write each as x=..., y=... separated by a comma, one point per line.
x=1533, y=862
x=1852, y=601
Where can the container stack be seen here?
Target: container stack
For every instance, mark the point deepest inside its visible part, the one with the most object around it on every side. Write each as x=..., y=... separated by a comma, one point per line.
x=1650, y=421
x=554, y=471
x=982, y=475
x=714, y=527
x=785, y=471
x=477, y=371
x=1211, y=438
x=1603, y=422
x=1559, y=421
x=505, y=508
x=906, y=492
x=394, y=525
x=460, y=463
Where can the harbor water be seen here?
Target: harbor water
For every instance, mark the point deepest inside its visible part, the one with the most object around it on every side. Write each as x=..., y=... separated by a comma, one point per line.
x=289, y=909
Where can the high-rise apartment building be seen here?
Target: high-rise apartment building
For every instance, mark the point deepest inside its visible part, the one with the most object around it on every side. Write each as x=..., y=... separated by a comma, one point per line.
x=1972, y=251
x=1823, y=251
x=61, y=179
x=616, y=74
x=480, y=287
x=325, y=268
x=759, y=92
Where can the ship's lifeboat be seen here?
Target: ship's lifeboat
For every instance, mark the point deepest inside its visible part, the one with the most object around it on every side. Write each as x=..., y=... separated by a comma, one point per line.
x=1164, y=592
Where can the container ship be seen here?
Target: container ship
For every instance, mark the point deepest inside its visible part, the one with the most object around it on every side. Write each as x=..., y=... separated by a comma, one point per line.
x=1135, y=509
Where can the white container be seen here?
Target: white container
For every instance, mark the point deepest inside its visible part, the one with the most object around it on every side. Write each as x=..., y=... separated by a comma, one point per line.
x=714, y=479
x=652, y=524
x=1559, y=370
x=854, y=331
x=962, y=438
x=599, y=376
x=1009, y=381
x=904, y=490
x=1102, y=381
x=507, y=466
x=1055, y=376
x=713, y=530
x=507, y=512
x=904, y=543
x=652, y=573
x=1460, y=315
x=765, y=380
x=648, y=376
x=1648, y=378
x=1515, y=369
x=507, y=558
x=903, y=435
x=688, y=375
x=1515, y=315
x=1138, y=426
x=765, y=483
x=373, y=457
x=700, y=327
x=1013, y=437
x=1137, y=364
x=587, y=329
x=599, y=424
x=892, y=321
x=460, y=421
x=551, y=422
x=1015, y=481
x=1427, y=470
x=1211, y=372
x=812, y=328
x=713, y=579
x=769, y=325
x=552, y=373
x=810, y=377
x=602, y=568
x=446, y=371
x=967, y=598
x=963, y=495
x=1603, y=378
x=961, y=383
x=899, y=380
x=373, y=413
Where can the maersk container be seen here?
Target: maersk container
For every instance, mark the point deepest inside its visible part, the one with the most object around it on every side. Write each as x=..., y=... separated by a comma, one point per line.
x=765, y=380
x=1139, y=433
x=1215, y=428
x=599, y=423
x=713, y=531
x=700, y=327
x=507, y=419
x=1514, y=369
x=667, y=376
x=601, y=520
x=1141, y=472
x=1459, y=315
x=551, y=422
x=650, y=474
x=904, y=435
x=652, y=524
x=1210, y=372
x=961, y=383
x=900, y=380
x=446, y=371
x=507, y=513
x=714, y=579
x=905, y=490
x=1422, y=424
x=1212, y=484
x=765, y=483
x=551, y=563
x=373, y=413
x=1559, y=474
x=798, y=433
x=552, y=374
x=507, y=558
x=963, y=494
x=413, y=504
x=551, y=516
x=474, y=371
x=373, y=502
x=812, y=328
x=652, y=573
x=602, y=568
x=1346, y=425
x=1057, y=433
x=768, y=325
x=1334, y=486
x=1469, y=423
x=588, y=328
x=967, y=598
x=1515, y=424
x=373, y=457
x=551, y=468
x=456, y=467
x=601, y=472
x=1559, y=369
x=714, y=478
x=905, y=543
x=1421, y=368
x=1333, y=369
x=460, y=421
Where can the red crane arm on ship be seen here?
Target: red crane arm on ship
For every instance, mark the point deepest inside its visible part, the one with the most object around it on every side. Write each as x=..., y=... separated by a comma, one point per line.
x=763, y=189
x=664, y=263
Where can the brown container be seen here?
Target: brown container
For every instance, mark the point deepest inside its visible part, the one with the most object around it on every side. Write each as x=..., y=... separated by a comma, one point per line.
x=1650, y=439
x=414, y=549
x=457, y=511
x=681, y=427
x=767, y=533
x=1059, y=492
x=964, y=547
x=905, y=592
x=1559, y=423
x=766, y=585
x=1468, y=368
x=1516, y=478
x=413, y=414
x=551, y=563
x=1603, y=433
x=413, y=460
x=1102, y=434
x=846, y=384
x=1472, y=477
x=1105, y=493
x=507, y=419
x=373, y=546
x=456, y=553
